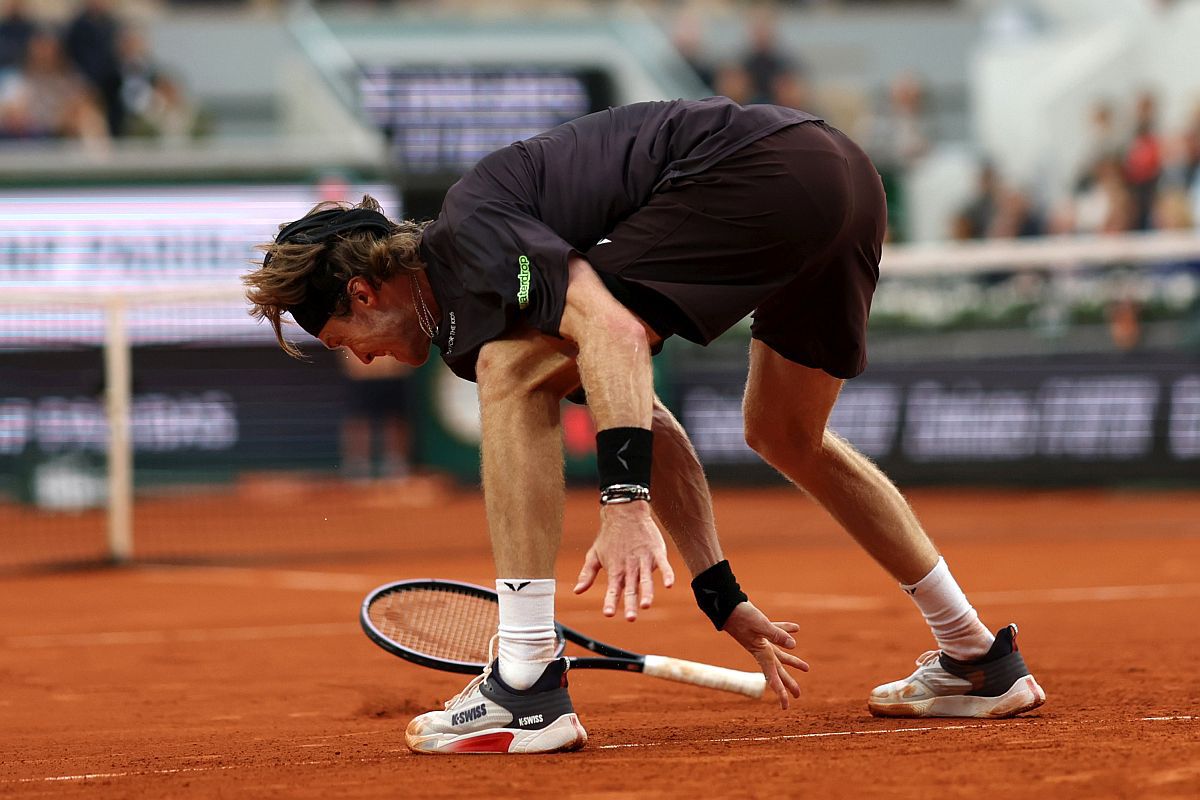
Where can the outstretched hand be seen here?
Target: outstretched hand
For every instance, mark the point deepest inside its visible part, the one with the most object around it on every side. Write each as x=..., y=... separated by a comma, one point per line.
x=629, y=547
x=768, y=642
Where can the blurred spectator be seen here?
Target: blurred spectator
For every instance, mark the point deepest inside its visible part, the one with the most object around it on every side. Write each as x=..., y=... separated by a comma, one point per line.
x=1173, y=211
x=1185, y=164
x=733, y=81
x=91, y=40
x=898, y=137
x=1016, y=215
x=996, y=211
x=976, y=217
x=1104, y=143
x=16, y=29
x=792, y=90
x=688, y=37
x=375, y=430
x=765, y=63
x=154, y=102
x=47, y=98
x=1103, y=203
x=1143, y=161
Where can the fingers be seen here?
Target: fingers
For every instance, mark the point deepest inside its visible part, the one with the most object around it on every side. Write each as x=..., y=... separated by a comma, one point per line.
x=792, y=685
x=777, y=687
x=631, y=590
x=776, y=635
x=778, y=678
x=646, y=584
x=775, y=676
x=587, y=575
x=791, y=660
x=615, y=580
x=664, y=566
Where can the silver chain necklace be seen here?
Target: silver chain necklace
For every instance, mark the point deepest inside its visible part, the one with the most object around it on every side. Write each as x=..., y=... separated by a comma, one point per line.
x=425, y=317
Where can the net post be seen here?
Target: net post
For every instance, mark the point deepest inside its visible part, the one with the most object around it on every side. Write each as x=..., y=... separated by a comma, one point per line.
x=118, y=399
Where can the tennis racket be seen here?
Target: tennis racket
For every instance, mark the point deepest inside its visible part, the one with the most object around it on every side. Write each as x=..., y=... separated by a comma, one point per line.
x=448, y=625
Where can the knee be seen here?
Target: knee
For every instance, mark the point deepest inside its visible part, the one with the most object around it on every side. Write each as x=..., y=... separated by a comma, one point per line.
x=785, y=443
x=503, y=378
x=494, y=375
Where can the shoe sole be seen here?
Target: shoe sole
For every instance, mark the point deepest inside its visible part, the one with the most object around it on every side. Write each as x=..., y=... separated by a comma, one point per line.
x=1024, y=695
x=563, y=735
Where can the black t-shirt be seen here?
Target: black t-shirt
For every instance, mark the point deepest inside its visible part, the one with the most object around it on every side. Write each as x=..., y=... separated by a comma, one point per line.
x=497, y=253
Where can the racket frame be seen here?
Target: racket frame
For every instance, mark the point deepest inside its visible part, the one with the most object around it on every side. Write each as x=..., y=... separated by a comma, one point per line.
x=610, y=657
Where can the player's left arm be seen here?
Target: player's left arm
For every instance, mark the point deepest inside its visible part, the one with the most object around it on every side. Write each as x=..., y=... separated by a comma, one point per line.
x=614, y=367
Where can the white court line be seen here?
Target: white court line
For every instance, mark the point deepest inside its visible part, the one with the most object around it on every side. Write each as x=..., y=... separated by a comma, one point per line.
x=786, y=736
x=827, y=734
x=176, y=771
x=255, y=633
x=691, y=743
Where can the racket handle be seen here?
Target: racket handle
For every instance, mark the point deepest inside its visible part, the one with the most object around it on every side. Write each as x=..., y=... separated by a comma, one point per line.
x=750, y=684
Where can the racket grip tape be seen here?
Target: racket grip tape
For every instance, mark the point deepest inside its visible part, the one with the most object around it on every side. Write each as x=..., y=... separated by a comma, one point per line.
x=750, y=684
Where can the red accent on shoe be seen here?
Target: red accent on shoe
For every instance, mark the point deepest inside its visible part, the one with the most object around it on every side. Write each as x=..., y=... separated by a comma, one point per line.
x=498, y=742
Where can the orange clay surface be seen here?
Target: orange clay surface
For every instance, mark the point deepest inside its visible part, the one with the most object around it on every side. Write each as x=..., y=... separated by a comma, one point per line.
x=252, y=679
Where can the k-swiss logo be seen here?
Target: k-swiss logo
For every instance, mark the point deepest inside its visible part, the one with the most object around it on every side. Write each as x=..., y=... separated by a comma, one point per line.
x=516, y=587
x=470, y=715
x=536, y=719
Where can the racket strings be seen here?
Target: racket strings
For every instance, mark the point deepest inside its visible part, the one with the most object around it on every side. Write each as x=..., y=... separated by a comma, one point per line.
x=443, y=623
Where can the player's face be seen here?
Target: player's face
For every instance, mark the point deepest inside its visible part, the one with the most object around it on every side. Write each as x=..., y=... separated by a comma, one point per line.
x=380, y=323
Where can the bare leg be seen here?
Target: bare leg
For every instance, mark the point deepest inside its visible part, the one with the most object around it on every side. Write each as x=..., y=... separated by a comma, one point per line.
x=791, y=436
x=522, y=464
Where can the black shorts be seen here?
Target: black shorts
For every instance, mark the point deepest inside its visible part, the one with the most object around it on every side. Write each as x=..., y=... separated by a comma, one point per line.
x=790, y=228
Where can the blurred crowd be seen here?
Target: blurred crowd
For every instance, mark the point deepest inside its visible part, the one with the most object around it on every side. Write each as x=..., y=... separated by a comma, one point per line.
x=765, y=73
x=92, y=79
x=1134, y=177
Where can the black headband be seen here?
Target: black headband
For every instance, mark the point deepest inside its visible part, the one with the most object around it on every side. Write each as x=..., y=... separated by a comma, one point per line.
x=323, y=291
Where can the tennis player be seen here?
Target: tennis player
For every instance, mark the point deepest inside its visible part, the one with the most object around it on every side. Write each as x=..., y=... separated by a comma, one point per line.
x=557, y=266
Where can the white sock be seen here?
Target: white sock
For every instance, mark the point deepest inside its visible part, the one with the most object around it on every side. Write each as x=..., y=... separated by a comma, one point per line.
x=527, y=640
x=955, y=625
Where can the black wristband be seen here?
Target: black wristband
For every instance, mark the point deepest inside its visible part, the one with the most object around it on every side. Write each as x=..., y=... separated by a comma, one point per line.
x=717, y=593
x=623, y=456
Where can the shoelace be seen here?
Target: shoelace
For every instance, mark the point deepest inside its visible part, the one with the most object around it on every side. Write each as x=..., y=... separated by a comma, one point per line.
x=478, y=679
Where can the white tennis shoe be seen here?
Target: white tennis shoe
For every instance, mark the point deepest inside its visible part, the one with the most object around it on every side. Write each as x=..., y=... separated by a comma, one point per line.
x=489, y=716
x=996, y=686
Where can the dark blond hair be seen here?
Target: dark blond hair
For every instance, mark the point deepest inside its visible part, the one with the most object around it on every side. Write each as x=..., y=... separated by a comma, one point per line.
x=282, y=281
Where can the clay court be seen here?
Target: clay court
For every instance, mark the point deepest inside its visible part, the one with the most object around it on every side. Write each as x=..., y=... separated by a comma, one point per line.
x=251, y=678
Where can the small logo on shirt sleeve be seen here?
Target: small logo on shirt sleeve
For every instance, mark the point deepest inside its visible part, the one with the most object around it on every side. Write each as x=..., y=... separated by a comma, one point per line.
x=523, y=281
